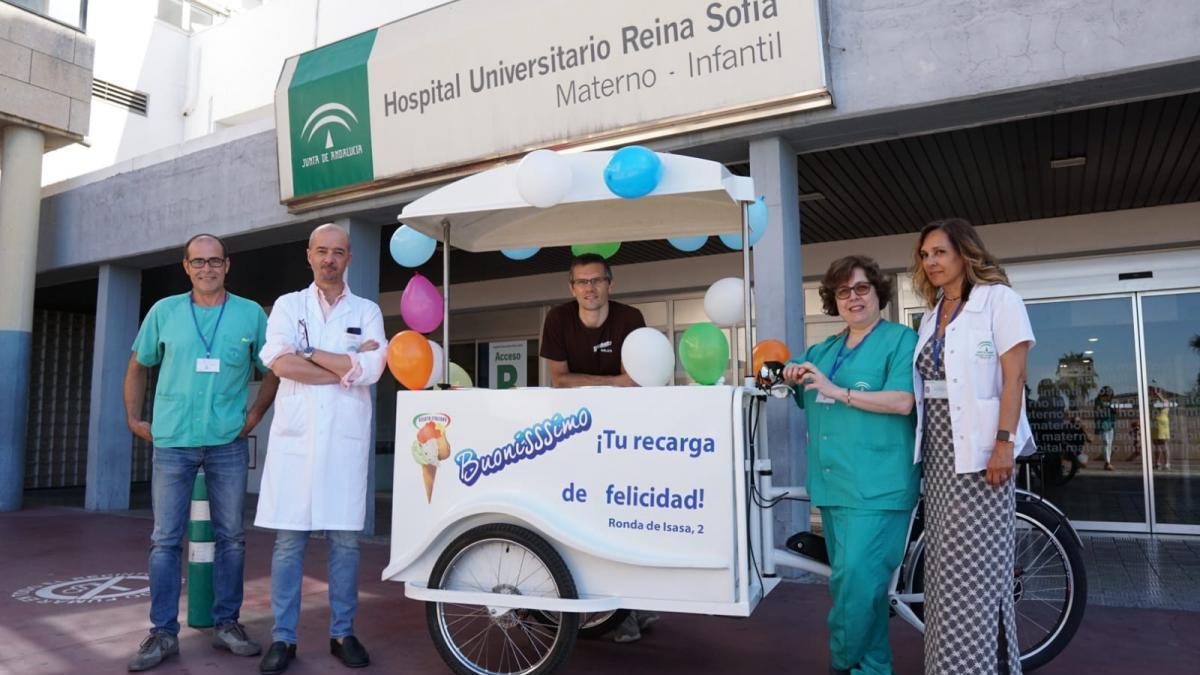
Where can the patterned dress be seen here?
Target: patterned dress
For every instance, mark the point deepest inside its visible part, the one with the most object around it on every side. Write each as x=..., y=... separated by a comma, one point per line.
x=969, y=532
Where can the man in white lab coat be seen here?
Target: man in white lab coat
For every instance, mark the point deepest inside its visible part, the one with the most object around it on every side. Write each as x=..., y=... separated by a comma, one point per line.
x=326, y=346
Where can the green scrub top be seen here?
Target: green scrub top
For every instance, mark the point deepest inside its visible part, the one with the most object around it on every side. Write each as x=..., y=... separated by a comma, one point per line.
x=193, y=409
x=856, y=458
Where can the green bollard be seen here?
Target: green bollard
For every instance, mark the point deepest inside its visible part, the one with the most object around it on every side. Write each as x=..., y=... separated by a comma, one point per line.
x=200, y=558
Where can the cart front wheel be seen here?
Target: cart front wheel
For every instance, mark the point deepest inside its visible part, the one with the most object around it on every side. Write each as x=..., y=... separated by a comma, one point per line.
x=484, y=640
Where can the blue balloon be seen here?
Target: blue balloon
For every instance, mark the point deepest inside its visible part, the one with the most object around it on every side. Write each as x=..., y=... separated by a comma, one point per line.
x=757, y=218
x=633, y=172
x=411, y=248
x=688, y=244
x=520, y=253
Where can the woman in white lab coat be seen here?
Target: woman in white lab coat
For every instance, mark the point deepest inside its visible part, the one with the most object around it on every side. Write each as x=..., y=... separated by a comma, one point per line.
x=969, y=377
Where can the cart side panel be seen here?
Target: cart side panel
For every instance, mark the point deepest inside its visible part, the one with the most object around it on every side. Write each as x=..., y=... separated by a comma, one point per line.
x=635, y=487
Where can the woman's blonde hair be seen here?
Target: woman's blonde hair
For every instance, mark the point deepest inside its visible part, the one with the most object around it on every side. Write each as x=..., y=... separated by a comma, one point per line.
x=981, y=266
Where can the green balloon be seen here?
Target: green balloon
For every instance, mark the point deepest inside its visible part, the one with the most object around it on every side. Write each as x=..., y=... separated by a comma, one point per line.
x=605, y=251
x=704, y=353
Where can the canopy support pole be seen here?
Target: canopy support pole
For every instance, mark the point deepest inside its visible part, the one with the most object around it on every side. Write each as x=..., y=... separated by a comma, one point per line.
x=747, y=278
x=445, y=303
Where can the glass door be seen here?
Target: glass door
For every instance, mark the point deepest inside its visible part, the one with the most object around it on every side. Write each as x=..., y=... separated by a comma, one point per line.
x=1171, y=345
x=1084, y=405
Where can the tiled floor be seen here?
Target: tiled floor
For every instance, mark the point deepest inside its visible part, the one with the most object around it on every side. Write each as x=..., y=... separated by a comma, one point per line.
x=96, y=628
x=1141, y=571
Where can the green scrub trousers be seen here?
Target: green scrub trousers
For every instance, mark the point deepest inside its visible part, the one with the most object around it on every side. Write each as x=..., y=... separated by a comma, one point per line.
x=865, y=547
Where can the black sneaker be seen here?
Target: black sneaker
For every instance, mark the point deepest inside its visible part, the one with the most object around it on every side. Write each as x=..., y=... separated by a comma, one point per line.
x=232, y=636
x=349, y=651
x=154, y=650
x=277, y=658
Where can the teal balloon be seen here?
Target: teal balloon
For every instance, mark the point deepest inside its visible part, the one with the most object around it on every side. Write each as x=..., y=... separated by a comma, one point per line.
x=688, y=244
x=411, y=248
x=757, y=219
x=605, y=251
x=633, y=172
x=704, y=353
x=520, y=253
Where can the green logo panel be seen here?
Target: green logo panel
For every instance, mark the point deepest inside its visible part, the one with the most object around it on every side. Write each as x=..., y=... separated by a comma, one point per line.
x=329, y=117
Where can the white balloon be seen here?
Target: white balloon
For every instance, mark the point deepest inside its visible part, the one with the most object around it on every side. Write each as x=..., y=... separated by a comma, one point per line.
x=723, y=302
x=435, y=376
x=647, y=357
x=543, y=178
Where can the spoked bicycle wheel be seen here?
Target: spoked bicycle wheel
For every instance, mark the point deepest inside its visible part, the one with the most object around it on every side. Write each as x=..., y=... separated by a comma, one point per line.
x=1049, y=583
x=485, y=640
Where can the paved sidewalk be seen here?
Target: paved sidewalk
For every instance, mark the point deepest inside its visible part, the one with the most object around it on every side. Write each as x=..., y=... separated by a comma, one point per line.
x=786, y=635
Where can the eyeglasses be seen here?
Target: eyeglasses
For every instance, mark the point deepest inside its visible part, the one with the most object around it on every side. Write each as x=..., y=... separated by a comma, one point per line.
x=860, y=289
x=584, y=283
x=199, y=263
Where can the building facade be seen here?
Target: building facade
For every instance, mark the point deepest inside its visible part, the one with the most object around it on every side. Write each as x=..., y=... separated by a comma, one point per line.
x=1068, y=132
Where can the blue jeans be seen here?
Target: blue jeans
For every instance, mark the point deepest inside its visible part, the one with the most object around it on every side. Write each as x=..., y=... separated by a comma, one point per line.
x=287, y=573
x=171, y=491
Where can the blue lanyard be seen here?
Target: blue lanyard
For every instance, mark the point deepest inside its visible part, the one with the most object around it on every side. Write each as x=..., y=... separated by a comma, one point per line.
x=938, y=342
x=208, y=343
x=842, y=354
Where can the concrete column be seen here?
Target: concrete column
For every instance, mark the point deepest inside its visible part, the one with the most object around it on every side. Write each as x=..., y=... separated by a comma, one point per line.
x=363, y=277
x=20, y=201
x=779, y=292
x=110, y=443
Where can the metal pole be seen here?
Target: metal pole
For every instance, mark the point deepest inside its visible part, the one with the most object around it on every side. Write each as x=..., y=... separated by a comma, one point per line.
x=748, y=365
x=445, y=303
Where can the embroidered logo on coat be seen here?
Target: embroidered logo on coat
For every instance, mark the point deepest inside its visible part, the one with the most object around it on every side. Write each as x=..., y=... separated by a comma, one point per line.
x=985, y=350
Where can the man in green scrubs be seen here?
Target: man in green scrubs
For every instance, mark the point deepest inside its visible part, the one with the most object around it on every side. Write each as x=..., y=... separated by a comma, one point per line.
x=205, y=344
x=858, y=400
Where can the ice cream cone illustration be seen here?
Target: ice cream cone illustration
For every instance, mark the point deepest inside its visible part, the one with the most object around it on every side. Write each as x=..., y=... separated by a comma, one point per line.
x=430, y=448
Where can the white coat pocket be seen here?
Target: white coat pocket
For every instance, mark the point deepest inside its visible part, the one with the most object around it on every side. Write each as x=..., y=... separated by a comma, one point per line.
x=354, y=417
x=985, y=363
x=290, y=417
x=987, y=422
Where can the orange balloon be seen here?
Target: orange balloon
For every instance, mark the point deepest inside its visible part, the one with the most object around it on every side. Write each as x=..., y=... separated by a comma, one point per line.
x=770, y=350
x=410, y=358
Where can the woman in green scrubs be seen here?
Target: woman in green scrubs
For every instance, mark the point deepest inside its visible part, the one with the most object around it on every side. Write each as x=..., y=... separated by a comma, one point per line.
x=857, y=395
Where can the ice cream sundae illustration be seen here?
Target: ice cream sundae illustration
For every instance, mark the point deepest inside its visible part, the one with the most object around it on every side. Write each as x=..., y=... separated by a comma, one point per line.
x=430, y=448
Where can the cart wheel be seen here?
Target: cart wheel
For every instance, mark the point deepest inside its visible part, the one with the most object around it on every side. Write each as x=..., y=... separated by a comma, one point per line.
x=598, y=624
x=480, y=640
x=593, y=625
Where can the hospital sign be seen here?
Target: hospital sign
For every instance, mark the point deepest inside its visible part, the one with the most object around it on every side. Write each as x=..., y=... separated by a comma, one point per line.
x=449, y=90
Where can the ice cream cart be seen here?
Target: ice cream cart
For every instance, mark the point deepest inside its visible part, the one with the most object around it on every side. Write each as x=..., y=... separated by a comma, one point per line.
x=523, y=510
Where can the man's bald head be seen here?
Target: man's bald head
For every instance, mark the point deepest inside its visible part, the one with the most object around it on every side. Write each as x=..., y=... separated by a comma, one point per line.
x=330, y=234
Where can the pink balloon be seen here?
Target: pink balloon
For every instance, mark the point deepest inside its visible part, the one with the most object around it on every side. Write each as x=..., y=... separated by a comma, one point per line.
x=421, y=305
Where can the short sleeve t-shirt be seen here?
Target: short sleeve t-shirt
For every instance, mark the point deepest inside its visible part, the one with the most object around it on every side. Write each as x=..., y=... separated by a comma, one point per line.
x=194, y=409
x=588, y=351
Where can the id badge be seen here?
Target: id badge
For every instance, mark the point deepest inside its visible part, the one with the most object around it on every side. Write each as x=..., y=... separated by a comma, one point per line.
x=936, y=389
x=208, y=365
x=822, y=398
x=352, y=342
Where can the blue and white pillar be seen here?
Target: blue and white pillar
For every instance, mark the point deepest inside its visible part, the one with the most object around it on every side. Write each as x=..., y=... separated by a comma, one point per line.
x=779, y=291
x=363, y=277
x=110, y=442
x=20, y=203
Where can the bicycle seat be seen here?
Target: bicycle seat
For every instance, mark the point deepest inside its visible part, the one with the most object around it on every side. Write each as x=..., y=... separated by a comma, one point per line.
x=809, y=545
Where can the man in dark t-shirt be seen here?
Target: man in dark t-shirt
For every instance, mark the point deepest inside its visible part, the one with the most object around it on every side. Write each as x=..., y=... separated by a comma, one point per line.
x=582, y=339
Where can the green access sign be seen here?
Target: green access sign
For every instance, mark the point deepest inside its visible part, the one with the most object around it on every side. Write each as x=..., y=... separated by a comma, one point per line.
x=329, y=118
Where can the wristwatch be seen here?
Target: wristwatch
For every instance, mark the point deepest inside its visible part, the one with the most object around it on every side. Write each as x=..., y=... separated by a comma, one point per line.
x=307, y=353
x=1004, y=436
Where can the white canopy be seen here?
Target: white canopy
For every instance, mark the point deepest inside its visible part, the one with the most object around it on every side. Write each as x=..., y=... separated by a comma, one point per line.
x=486, y=213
